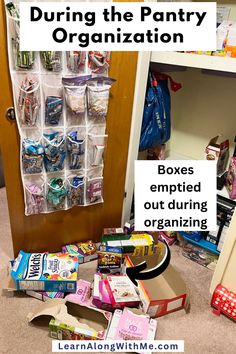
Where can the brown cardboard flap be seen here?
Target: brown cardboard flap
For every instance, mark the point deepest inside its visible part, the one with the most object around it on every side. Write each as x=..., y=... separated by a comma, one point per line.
x=71, y=314
x=167, y=285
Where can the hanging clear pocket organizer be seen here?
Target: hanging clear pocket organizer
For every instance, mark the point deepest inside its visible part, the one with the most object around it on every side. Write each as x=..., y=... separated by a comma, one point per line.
x=75, y=98
x=76, y=145
x=56, y=192
x=75, y=190
x=27, y=99
x=96, y=149
x=61, y=104
x=32, y=154
x=76, y=61
x=53, y=101
x=51, y=61
x=54, y=150
x=19, y=60
x=34, y=189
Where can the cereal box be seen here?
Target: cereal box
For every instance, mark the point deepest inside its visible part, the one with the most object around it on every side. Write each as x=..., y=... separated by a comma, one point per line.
x=45, y=272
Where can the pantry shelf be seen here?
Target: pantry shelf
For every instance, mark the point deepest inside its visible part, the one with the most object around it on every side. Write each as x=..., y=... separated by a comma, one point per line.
x=195, y=61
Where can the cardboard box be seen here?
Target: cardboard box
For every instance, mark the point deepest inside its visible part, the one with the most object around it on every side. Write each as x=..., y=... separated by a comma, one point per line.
x=45, y=272
x=219, y=151
x=131, y=327
x=136, y=244
x=163, y=294
x=72, y=321
x=85, y=251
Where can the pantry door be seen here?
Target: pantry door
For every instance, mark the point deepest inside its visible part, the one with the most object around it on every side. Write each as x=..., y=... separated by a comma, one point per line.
x=50, y=231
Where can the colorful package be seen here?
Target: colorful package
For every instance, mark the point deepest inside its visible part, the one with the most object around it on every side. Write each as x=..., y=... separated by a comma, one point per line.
x=85, y=251
x=32, y=156
x=45, y=272
x=231, y=179
x=101, y=298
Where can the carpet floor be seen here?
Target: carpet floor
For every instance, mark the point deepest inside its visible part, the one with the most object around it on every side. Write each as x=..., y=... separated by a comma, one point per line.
x=203, y=332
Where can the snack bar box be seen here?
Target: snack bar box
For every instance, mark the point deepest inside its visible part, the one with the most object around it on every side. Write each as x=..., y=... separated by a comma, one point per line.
x=45, y=272
x=163, y=294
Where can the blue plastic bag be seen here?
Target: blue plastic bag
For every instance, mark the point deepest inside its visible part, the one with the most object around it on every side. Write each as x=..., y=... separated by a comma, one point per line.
x=156, y=124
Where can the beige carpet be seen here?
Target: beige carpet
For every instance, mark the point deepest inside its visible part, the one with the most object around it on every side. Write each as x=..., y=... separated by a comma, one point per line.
x=203, y=332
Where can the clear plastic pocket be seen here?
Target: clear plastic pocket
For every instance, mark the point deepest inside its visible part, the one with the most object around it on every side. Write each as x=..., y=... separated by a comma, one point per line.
x=98, y=96
x=53, y=102
x=19, y=60
x=99, y=62
x=56, y=193
x=96, y=149
x=54, y=150
x=76, y=61
x=51, y=61
x=35, y=202
x=27, y=91
x=94, y=190
x=75, y=97
x=75, y=190
x=94, y=186
x=76, y=148
x=32, y=156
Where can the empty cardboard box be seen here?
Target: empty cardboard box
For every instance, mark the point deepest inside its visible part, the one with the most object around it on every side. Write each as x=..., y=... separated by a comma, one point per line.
x=72, y=321
x=163, y=294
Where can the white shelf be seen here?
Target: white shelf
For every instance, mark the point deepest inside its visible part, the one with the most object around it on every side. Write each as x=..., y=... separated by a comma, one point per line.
x=201, y=61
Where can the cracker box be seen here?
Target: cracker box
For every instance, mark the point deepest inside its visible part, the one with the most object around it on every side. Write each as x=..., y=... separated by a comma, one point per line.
x=218, y=151
x=163, y=294
x=50, y=272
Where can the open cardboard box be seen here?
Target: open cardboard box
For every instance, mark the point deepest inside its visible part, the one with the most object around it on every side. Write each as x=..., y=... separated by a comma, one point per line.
x=163, y=294
x=71, y=321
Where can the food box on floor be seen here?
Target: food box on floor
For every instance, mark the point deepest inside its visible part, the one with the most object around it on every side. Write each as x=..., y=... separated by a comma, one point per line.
x=44, y=296
x=163, y=294
x=131, y=324
x=114, y=292
x=45, y=272
x=200, y=256
x=109, y=259
x=83, y=293
x=85, y=251
x=136, y=244
x=72, y=321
